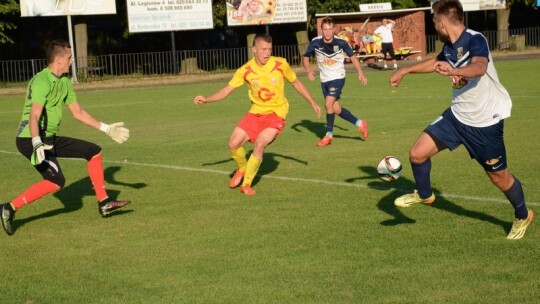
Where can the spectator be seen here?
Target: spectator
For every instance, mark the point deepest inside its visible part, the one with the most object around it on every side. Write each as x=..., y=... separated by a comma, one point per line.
x=368, y=42
x=387, y=46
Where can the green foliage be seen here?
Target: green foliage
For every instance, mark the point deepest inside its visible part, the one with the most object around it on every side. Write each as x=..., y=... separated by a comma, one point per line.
x=322, y=227
x=531, y=3
x=219, y=10
x=7, y=7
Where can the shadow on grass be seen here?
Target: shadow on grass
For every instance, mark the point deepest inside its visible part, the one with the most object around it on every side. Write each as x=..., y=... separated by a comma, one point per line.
x=71, y=196
x=319, y=129
x=269, y=164
x=402, y=186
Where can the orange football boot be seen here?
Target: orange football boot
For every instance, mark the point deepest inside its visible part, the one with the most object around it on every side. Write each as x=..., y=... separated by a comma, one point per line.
x=363, y=129
x=247, y=190
x=325, y=141
x=236, y=179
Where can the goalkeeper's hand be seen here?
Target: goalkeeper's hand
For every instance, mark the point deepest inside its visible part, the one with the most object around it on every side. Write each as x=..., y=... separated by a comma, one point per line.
x=39, y=151
x=116, y=131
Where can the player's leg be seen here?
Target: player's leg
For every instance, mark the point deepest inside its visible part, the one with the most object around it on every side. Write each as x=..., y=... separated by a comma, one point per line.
x=439, y=135
x=420, y=158
x=53, y=179
x=486, y=145
x=513, y=190
x=236, y=148
x=346, y=114
x=264, y=138
x=331, y=93
x=270, y=127
x=76, y=148
x=385, y=50
x=393, y=55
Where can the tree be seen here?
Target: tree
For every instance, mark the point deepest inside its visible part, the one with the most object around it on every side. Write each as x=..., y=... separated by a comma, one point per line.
x=7, y=7
x=503, y=15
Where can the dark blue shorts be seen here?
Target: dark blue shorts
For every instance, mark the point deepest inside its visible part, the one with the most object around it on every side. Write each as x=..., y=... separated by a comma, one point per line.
x=485, y=145
x=333, y=88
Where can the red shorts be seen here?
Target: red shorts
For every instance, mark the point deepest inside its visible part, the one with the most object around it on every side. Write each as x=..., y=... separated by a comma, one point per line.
x=253, y=124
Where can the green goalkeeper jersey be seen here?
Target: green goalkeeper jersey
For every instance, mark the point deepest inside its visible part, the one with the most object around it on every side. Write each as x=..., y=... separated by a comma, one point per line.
x=52, y=92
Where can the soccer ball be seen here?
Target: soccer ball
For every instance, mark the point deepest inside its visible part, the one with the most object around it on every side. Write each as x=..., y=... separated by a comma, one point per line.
x=389, y=168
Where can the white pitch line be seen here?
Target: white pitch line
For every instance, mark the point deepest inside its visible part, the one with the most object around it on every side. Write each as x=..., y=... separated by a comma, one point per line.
x=298, y=179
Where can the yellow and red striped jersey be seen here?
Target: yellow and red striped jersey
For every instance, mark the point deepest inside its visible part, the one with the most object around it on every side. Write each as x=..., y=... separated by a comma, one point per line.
x=266, y=85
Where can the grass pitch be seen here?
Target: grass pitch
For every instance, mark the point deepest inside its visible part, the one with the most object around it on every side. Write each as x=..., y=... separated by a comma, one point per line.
x=321, y=229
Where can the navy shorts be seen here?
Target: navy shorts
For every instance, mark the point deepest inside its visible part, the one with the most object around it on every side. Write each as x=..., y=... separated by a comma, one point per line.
x=333, y=88
x=485, y=145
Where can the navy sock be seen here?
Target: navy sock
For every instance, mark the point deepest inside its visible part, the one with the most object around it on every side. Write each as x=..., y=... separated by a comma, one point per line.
x=348, y=116
x=422, y=177
x=330, y=123
x=517, y=198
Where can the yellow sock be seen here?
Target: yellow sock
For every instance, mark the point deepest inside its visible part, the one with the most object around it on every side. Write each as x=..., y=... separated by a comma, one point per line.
x=252, y=167
x=239, y=157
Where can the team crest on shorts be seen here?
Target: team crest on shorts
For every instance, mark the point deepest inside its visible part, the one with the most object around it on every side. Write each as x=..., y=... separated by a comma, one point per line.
x=491, y=162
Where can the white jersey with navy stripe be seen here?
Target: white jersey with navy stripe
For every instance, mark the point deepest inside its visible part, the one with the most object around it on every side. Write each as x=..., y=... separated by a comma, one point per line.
x=480, y=101
x=330, y=57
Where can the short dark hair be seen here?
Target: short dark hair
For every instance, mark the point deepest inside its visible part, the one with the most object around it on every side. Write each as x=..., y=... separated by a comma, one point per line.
x=56, y=48
x=452, y=9
x=327, y=20
x=264, y=37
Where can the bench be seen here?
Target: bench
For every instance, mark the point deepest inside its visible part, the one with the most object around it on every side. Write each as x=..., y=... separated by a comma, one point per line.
x=404, y=52
x=369, y=57
x=403, y=56
x=93, y=71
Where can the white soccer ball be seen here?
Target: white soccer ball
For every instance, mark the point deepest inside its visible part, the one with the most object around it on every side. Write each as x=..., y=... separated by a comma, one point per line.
x=389, y=168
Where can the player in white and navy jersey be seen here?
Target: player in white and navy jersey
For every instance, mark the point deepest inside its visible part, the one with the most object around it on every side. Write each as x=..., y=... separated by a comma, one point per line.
x=331, y=52
x=475, y=118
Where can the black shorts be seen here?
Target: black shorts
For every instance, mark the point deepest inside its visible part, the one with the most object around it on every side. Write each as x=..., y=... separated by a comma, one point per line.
x=388, y=48
x=65, y=147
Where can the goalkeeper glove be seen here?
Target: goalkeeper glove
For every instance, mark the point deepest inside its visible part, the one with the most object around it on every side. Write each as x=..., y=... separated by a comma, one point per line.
x=116, y=131
x=39, y=151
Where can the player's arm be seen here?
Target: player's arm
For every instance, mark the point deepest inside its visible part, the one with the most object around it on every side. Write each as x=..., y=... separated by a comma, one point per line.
x=38, y=156
x=33, y=120
x=358, y=68
x=301, y=88
x=307, y=67
x=426, y=66
x=224, y=92
x=116, y=130
x=81, y=115
x=476, y=68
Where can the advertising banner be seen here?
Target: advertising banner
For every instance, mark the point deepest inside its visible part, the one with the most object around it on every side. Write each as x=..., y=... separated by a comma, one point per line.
x=34, y=8
x=169, y=15
x=255, y=12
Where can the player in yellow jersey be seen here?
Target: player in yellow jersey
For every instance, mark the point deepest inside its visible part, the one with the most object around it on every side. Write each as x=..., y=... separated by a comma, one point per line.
x=265, y=76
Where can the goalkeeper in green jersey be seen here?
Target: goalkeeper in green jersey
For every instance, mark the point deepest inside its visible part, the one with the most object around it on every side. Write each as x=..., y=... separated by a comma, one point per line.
x=37, y=139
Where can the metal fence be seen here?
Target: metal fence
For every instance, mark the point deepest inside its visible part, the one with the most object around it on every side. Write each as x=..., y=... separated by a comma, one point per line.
x=201, y=62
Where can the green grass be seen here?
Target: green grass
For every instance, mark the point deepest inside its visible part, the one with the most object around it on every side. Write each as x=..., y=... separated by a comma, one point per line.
x=321, y=229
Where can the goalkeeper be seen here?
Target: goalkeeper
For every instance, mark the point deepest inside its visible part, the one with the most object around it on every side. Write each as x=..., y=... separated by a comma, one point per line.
x=37, y=139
